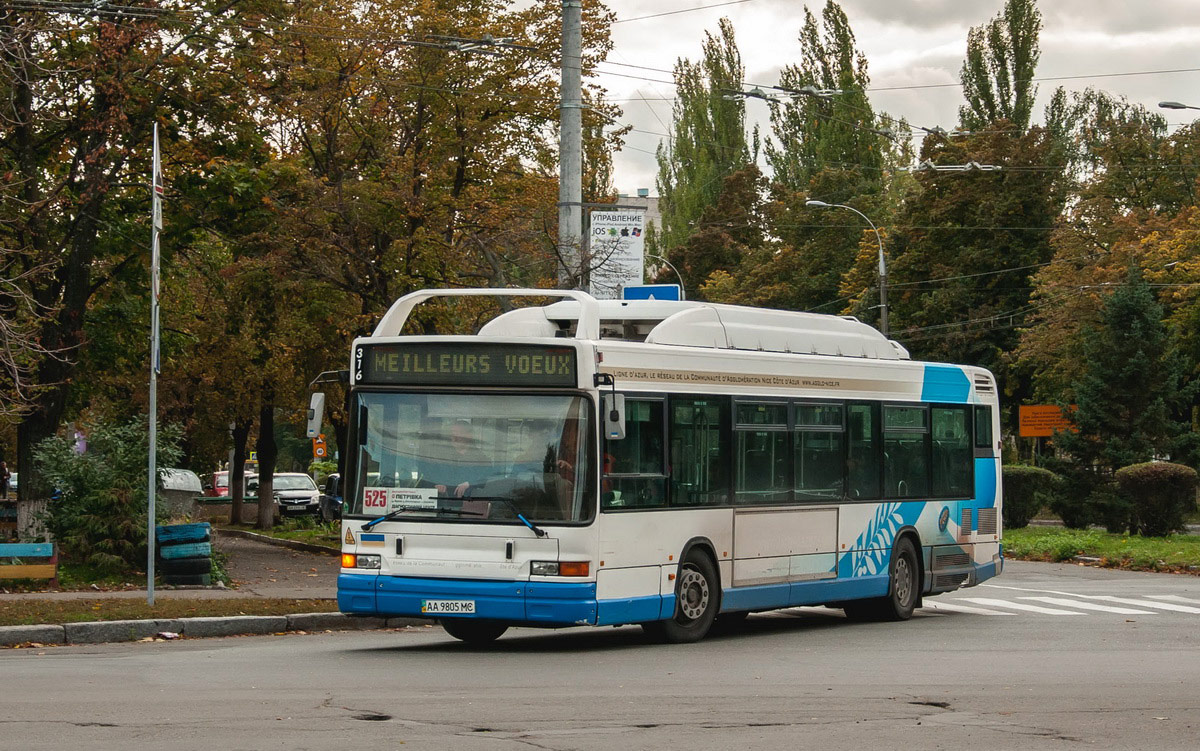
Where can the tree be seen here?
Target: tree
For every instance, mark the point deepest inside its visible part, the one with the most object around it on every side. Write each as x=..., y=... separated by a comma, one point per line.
x=959, y=286
x=81, y=91
x=827, y=143
x=837, y=131
x=1131, y=187
x=99, y=519
x=708, y=142
x=1131, y=386
x=726, y=233
x=997, y=76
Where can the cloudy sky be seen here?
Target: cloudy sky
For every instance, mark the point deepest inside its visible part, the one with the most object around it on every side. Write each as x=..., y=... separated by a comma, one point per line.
x=914, y=49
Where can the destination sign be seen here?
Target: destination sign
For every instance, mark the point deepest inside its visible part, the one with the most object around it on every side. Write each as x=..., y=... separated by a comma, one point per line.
x=449, y=364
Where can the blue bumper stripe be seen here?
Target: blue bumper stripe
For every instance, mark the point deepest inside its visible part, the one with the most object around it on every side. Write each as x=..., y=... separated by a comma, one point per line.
x=356, y=594
x=546, y=603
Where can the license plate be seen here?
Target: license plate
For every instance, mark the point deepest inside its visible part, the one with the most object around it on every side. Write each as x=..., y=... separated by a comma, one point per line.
x=444, y=607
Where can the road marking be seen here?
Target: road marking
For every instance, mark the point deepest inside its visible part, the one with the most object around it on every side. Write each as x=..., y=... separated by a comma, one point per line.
x=1174, y=598
x=1020, y=606
x=1145, y=603
x=1089, y=606
x=954, y=608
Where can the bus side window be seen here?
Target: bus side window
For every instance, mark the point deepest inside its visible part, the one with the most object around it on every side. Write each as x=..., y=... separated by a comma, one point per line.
x=952, y=463
x=983, y=428
x=863, y=454
x=819, y=442
x=700, y=450
x=906, y=451
x=634, y=472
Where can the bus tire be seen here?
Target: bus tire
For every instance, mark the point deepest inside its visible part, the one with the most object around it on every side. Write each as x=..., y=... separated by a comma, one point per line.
x=904, y=589
x=697, y=595
x=472, y=631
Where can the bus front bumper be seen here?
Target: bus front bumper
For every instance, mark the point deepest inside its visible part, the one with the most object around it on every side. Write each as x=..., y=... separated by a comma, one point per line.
x=516, y=602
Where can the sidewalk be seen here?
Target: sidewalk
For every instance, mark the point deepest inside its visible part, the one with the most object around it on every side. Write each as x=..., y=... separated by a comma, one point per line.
x=258, y=569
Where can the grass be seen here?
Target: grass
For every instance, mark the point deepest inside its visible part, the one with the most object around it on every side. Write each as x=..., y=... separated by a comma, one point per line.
x=23, y=612
x=1173, y=553
x=303, y=529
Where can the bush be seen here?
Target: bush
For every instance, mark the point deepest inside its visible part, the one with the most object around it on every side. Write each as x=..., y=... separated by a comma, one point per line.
x=1026, y=491
x=98, y=512
x=1160, y=495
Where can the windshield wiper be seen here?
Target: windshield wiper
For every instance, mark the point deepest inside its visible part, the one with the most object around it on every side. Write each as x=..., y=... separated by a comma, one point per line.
x=395, y=513
x=512, y=507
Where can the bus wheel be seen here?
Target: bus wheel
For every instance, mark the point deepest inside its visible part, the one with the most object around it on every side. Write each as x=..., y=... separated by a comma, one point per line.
x=696, y=596
x=473, y=632
x=904, y=589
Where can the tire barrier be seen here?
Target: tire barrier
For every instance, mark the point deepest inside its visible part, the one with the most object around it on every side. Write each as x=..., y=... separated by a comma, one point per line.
x=185, y=553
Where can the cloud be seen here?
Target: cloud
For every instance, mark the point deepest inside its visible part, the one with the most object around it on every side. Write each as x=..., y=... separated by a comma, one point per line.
x=911, y=43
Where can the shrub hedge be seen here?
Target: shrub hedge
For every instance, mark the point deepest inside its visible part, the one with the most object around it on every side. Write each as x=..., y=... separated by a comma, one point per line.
x=1160, y=495
x=1026, y=491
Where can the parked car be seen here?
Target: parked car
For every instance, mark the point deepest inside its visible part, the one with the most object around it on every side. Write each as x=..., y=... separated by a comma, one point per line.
x=331, y=498
x=218, y=485
x=295, y=493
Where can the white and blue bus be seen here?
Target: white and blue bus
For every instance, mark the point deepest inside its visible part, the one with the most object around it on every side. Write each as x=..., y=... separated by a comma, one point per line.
x=659, y=463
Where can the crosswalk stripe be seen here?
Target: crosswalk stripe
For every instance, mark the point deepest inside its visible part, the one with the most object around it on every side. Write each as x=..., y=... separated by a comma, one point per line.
x=1174, y=598
x=1089, y=606
x=1146, y=603
x=954, y=608
x=1020, y=606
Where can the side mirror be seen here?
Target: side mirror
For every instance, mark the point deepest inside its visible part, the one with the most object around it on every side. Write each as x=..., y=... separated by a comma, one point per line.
x=316, y=412
x=614, y=416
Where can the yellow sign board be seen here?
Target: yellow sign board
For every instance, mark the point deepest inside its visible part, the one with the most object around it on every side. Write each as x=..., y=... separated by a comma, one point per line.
x=1044, y=420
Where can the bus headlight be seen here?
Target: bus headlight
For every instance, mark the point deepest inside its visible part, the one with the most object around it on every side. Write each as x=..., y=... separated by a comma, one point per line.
x=350, y=560
x=554, y=568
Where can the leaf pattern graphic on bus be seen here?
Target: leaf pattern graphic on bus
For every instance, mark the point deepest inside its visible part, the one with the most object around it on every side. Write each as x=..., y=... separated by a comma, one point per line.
x=873, y=549
x=873, y=546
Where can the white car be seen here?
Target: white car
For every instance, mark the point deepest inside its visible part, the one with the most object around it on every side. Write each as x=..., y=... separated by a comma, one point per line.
x=296, y=493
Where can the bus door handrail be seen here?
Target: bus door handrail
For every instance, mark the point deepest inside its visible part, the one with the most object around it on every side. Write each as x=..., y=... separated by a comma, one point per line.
x=588, y=327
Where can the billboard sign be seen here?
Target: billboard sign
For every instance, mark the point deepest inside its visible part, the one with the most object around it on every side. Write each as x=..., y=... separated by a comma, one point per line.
x=616, y=244
x=1043, y=420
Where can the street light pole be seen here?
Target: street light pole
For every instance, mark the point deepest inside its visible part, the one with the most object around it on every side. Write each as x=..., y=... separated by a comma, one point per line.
x=570, y=147
x=1177, y=106
x=671, y=266
x=883, y=303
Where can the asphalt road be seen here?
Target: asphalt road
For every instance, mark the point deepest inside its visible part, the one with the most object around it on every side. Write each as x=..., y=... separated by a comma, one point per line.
x=1047, y=657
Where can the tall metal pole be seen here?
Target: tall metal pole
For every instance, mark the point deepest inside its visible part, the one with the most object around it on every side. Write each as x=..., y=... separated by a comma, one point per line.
x=570, y=146
x=152, y=478
x=883, y=303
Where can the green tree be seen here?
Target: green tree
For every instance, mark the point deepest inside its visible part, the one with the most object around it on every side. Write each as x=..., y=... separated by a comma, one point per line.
x=708, y=142
x=997, y=76
x=1131, y=187
x=837, y=131
x=1131, y=386
x=826, y=143
x=82, y=91
x=99, y=518
x=959, y=287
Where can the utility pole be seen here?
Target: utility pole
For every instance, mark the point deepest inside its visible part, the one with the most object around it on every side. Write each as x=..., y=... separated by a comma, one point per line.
x=570, y=147
x=156, y=191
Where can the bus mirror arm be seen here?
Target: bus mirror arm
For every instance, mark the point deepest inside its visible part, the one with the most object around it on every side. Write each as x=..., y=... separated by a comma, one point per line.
x=614, y=408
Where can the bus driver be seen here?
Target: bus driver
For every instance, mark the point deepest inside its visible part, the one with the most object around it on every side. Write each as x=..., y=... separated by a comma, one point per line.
x=464, y=465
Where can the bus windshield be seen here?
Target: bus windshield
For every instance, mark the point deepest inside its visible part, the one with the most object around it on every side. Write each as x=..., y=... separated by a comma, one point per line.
x=473, y=457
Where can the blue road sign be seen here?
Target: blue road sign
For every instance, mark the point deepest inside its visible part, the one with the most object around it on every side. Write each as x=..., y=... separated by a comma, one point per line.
x=651, y=292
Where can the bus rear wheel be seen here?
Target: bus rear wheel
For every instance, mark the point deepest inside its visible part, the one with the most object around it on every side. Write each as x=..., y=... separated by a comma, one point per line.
x=904, y=588
x=697, y=595
x=473, y=632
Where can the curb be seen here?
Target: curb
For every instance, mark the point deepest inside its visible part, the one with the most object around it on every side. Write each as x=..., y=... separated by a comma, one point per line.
x=307, y=547
x=103, y=632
